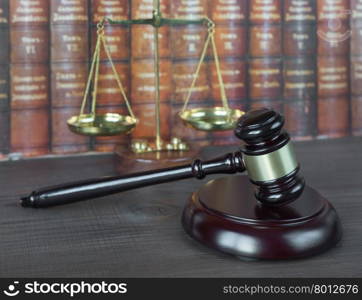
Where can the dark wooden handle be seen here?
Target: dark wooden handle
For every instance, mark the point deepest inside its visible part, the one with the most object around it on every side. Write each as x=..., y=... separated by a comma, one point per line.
x=83, y=190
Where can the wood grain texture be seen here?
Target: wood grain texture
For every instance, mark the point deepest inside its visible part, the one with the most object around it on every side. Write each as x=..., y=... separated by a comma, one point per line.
x=138, y=233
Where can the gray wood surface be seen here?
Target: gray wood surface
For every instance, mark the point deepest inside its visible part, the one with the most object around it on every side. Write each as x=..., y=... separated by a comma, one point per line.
x=138, y=233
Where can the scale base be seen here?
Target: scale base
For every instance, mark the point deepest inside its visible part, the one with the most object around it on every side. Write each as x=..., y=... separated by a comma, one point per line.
x=143, y=146
x=225, y=216
x=129, y=161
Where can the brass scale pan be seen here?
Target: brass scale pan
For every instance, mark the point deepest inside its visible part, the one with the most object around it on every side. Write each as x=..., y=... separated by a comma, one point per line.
x=214, y=118
x=107, y=124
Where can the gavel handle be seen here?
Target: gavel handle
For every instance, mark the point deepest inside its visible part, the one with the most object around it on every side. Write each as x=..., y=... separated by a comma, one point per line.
x=86, y=189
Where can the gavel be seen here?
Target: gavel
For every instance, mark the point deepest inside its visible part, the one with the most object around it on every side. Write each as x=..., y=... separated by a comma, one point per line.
x=267, y=156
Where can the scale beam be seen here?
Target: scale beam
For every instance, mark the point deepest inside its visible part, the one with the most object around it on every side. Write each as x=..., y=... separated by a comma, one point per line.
x=159, y=21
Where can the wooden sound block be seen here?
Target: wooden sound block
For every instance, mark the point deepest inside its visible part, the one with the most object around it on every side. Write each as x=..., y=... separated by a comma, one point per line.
x=225, y=215
x=128, y=161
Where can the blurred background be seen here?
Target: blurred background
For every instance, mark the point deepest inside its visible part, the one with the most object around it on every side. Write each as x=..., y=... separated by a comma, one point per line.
x=302, y=58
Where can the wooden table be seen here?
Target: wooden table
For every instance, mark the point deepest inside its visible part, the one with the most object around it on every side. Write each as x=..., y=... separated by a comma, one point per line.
x=138, y=233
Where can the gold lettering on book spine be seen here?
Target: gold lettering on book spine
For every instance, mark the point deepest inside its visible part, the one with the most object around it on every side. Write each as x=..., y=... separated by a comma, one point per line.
x=264, y=10
x=29, y=88
x=30, y=12
x=300, y=11
x=70, y=11
x=3, y=19
x=3, y=84
x=264, y=71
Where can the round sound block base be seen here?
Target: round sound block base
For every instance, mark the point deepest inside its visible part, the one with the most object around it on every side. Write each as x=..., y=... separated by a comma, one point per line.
x=225, y=216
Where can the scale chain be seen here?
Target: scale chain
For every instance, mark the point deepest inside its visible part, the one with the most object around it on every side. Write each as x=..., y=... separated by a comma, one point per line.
x=94, y=71
x=96, y=78
x=90, y=77
x=210, y=38
x=218, y=72
x=119, y=82
x=196, y=75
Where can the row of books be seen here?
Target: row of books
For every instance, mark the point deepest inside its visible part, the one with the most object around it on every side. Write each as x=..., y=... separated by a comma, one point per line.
x=300, y=57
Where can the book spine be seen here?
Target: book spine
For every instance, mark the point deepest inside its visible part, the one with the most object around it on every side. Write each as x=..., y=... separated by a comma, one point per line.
x=356, y=67
x=143, y=86
x=333, y=68
x=187, y=42
x=109, y=97
x=300, y=68
x=4, y=79
x=265, y=54
x=69, y=68
x=29, y=38
x=230, y=18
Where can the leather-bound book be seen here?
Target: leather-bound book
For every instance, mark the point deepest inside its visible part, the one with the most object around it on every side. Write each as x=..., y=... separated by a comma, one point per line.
x=300, y=99
x=29, y=31
x=265, y=54
x=4, y=78
x=143, y=87
x=109, y=97
x=187, y=42
x=69, y=69
x=356, y=67
x=231, y=19
x=300, y=68
x=333, y=68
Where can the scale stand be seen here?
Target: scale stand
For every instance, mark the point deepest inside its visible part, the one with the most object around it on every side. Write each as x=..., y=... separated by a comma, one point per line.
x=144, y=154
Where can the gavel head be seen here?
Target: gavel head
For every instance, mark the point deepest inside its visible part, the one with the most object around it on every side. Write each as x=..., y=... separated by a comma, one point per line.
x=269, y=157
